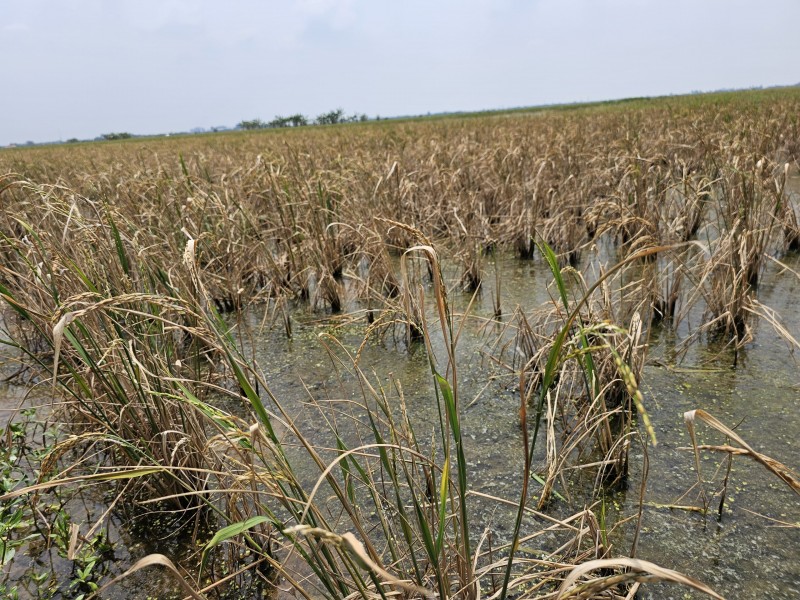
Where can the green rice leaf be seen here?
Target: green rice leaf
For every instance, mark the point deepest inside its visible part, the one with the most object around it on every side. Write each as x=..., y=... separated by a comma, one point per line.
x=121, y=254
x=229, y=532
x=443, y=504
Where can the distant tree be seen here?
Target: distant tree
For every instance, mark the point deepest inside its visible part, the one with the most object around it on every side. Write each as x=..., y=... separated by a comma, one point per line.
x=354, y=118
x=279, y=121
x=73, y=140
x=296, y=120
x=123, y=135
x=254, y=124
x=331, y=118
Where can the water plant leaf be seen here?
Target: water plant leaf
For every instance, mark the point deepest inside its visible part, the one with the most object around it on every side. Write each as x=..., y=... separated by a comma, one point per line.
x=227, y=533
x=585, y=360
x=220, y=418
x=251, y=394
x=552, y=262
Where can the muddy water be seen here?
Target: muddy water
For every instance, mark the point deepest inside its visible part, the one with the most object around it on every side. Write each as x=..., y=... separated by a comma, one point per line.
x=751, y=550
x=743, y=554
x=301, y=368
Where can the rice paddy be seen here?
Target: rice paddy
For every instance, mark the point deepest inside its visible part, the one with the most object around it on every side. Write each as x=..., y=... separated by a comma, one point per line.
x=421, y=358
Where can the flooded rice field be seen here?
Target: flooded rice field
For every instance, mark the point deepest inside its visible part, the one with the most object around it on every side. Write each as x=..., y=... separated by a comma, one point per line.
x=240, y=342
x=749, y=551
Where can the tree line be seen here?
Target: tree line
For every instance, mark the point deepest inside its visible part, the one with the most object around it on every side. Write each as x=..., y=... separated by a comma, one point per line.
x=332, y=117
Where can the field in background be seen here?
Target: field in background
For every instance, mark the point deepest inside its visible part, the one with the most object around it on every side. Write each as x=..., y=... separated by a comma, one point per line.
x=126, y=267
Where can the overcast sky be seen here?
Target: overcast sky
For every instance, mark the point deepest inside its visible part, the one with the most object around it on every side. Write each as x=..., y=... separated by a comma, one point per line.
x=79, y=68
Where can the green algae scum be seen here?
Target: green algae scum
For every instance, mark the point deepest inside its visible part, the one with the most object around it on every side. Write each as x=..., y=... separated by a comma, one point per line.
x=442, y=358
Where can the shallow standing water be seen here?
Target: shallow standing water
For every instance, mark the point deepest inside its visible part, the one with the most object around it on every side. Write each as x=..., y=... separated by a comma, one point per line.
x=742, y=555
x=746, y=553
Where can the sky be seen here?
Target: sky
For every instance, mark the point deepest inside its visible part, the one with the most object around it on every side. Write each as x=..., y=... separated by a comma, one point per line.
x=80, y=68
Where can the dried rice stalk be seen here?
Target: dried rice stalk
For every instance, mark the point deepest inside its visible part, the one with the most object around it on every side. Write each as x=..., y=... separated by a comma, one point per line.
x=638, y=571
x=782, y=471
